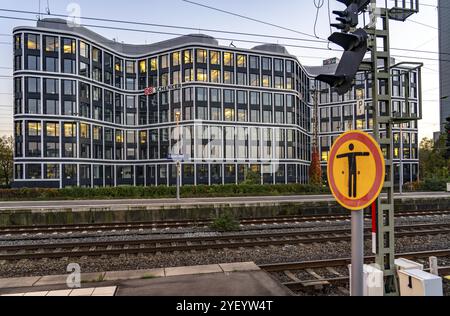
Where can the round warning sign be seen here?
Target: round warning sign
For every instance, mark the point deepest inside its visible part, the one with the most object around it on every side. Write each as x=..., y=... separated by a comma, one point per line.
x=356, y=170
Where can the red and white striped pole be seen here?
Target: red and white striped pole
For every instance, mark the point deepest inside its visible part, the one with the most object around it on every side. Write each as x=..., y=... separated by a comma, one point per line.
x=374, y=227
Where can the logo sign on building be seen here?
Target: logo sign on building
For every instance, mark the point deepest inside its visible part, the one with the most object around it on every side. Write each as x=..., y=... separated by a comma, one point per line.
x=152, y=90
x=356, y=170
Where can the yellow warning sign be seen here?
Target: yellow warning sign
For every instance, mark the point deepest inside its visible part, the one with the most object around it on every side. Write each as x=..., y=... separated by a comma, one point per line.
x=356, y=170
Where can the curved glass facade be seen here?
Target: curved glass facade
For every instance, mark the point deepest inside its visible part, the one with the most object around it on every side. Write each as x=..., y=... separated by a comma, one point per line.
x=84, y=117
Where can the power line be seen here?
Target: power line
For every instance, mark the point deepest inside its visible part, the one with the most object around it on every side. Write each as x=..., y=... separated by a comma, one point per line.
x=171, y=26
x=209, y=30
x=247, y=18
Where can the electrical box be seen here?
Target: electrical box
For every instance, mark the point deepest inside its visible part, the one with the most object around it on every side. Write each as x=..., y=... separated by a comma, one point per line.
x=373, y=282
x=405, y=264
x=416, y=282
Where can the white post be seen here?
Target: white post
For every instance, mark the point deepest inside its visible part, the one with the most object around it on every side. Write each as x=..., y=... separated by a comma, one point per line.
x=357, y=268
x=434, y=269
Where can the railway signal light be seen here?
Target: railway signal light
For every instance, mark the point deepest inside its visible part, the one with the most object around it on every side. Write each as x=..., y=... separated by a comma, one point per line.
x=354, y=43
x=349, y=17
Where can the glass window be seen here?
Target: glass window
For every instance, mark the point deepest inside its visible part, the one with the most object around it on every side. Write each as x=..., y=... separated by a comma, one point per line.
x=70, y=130
x=215, y=95
x=202, y=75
x=69, y=107
x=51, y=64
x=228, y=96
x=33, y=41
x=267, y=99
x=51, y=107
x=241, y=61
x=69, y=46
x=254, y=80
x=84, y=131
x=201, y=56
x=52, y=129
x=51, y=44
x=254, y=62
x=34, y=85
x=201, y=94
x=84, y=69
x=278, y=65
x=51, y=86
x=69, y=66
x=254, y=98
x=228, y=59
x=266, y=64
x=229, y=114
x=130, y=67
x=142, y=67
x=34, y=106
x=241, y=79
x=52, y=171
x=188, y=75
x=34, y=129
x=34, y=62
x=153, y=64
x=215, y=76
x=164, y=61
x=187, y=57
x=176, y=59
x=214, y=58
x=267, y=81
x=34, y=171
x=84, y=49
x=242, y=97
x=228, y=77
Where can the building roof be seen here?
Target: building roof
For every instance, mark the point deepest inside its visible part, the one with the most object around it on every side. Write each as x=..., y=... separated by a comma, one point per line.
x=126, y=49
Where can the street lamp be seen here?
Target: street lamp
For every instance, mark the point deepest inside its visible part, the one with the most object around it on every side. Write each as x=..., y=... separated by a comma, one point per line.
x=177, y=118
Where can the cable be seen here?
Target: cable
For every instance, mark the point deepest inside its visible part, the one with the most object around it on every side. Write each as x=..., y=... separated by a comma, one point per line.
x=247, y=18
x=210, y=30
x=318, y=6
x=171, y=26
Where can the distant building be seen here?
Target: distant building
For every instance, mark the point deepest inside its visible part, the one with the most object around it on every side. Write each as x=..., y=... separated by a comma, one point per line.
x=92, y=112
x=444, y=64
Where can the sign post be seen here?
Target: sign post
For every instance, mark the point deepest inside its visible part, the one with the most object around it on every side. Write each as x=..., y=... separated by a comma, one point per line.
x=356, y=173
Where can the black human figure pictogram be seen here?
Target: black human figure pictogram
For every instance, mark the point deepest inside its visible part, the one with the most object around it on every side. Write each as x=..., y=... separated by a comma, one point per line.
x=352, y=169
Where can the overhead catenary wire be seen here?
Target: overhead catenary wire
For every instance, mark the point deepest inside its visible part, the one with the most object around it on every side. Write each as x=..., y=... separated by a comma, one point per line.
x=209, y=30
x=248, y=18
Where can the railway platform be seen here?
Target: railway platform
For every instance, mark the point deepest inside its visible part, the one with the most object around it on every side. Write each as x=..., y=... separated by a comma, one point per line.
x=228, y=279
x=27, y=213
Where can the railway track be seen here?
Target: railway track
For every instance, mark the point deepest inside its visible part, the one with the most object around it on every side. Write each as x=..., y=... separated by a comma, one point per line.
x=102, y=227
x=313, y=275
x=187, y=243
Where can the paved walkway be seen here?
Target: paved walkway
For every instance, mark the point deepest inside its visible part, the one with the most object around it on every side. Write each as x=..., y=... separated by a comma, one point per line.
x=227, y=279
x=160, y=203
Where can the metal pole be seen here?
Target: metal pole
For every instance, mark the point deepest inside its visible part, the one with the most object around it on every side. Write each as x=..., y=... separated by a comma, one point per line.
x=357, y=286
x=177, y=115
x=178, y=180
x=401, y=159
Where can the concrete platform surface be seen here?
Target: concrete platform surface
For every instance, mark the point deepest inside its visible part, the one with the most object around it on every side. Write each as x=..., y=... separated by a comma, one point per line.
x=163, y=203
x=250, y=283
x=97, y=277
x=226, y=279
x=99, y=291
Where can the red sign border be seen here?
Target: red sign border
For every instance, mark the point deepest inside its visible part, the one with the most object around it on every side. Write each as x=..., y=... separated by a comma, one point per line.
x=374, y=192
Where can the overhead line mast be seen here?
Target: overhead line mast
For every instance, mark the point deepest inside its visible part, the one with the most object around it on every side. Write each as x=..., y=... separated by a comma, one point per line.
x=356, y=42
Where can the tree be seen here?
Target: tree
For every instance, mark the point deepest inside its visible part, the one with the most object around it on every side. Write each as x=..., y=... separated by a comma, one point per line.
x=433, y=164
x=6, y=160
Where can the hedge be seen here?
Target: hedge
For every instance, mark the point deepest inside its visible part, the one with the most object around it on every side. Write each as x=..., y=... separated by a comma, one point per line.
x=132, y=192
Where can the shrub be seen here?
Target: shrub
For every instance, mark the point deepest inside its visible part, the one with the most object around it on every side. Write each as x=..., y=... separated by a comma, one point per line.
x=132, y=192
x=225, y=223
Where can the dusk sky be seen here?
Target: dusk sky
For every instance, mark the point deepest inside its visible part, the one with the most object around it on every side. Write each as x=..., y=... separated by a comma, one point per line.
x=292, y=14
